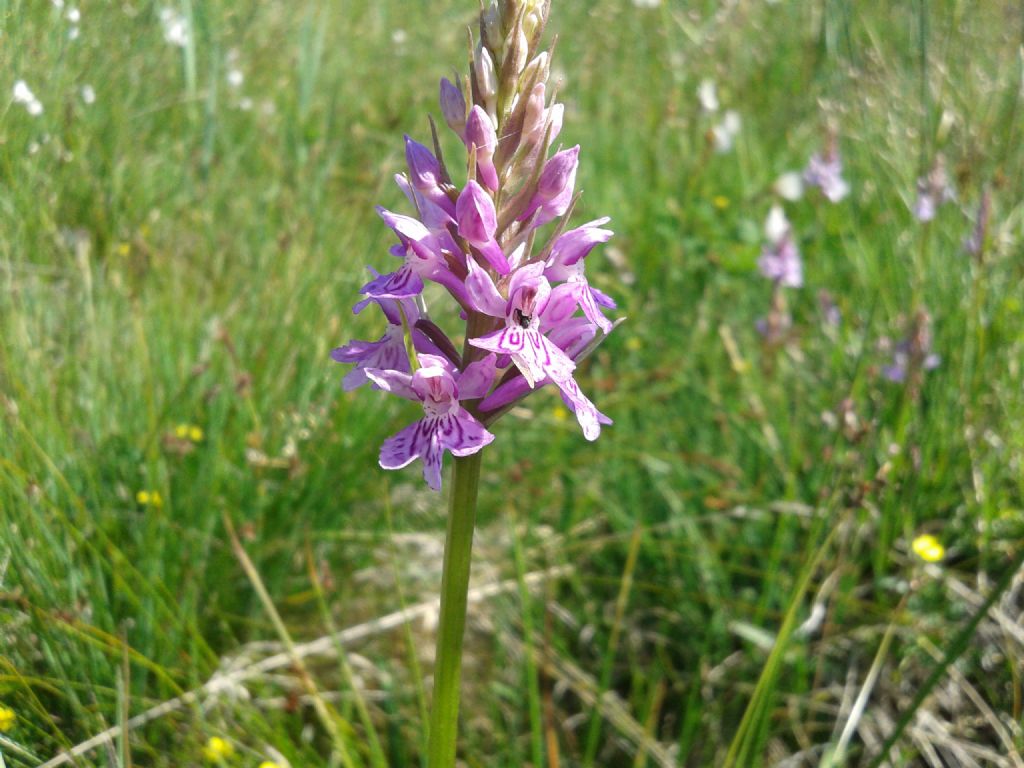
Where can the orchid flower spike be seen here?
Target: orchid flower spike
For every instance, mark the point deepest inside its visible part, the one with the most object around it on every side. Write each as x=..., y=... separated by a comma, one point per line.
x=517, y=291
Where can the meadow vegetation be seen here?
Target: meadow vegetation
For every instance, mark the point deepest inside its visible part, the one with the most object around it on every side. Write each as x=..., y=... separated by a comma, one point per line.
x=728, y=576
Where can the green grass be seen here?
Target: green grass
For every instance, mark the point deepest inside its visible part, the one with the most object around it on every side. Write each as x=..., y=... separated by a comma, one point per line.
x=169, y=257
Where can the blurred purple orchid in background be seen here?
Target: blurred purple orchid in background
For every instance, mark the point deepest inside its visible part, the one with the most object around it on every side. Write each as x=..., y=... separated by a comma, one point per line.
x=933, y=191
x=780, y=259
x=914, y=353
x=825, y=171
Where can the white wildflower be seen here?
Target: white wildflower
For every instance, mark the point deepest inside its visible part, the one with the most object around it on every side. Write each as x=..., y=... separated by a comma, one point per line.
x=789, y=186
x=707, y=95
x=235, y=78
x=776, y=225
x=176, y=31
x=724, y=134
x=88, y=94
x=23, y=95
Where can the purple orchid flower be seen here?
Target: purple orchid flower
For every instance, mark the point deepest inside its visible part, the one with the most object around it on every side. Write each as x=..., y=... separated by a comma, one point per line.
x=914, y=352
x=389, y=351
x=780, y=262
x=826, y=173
x=422, y=251
x=903, y=359
x=566, y=264
x=780, y=259
x=575, y=338
x=446, y=425
x=933, y=191
x=974, y=243
x=522, y=339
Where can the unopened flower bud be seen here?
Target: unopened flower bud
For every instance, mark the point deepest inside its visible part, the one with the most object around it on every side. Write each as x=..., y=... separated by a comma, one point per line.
x=531, y=21
x=789, y=186
x=518, y=46
x=475, y=214
x=453, y=106
x=558, y=171
x=490, y=27
x=480, y=134
x=776, y=225
x=486, y=77
x=537, y=70
x=478, y=221
x=555, y=115
x=533, y=120
x=554, y=187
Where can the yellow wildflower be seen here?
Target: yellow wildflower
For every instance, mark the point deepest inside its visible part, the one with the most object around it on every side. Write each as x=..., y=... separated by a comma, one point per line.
x=7, y=719
x=269, y=764
x=218, y=749
x=149, y=498
x=721, y=202
x=633, y=344
x=123, y=249
x=189, y=432
x=928, y=548
x=559, y=413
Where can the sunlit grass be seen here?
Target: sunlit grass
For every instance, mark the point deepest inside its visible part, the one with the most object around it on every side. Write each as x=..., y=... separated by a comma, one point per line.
x=178, y=253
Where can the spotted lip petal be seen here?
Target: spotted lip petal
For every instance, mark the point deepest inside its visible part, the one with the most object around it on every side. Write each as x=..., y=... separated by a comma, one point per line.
x=446, y=426
x=559, y=372
x=534, y=356
x=461, y=434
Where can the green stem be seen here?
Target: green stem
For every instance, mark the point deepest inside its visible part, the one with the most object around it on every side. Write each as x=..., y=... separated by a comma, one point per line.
x=458, y=551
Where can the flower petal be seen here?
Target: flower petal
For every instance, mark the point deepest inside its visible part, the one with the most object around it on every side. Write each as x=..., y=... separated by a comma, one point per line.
x=403, y=449
x=477, y=378
x=483, y=294
x=461, y=434
x=506, y=393
x=590, y=308
x=396, y=382
x=396, y=285
x=510, y=340
x=432, y=455
x=589, y=418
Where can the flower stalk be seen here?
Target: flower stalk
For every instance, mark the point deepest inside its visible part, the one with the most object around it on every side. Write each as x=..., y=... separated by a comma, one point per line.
x=458, y=551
